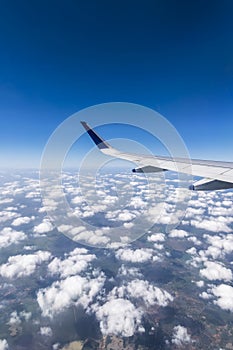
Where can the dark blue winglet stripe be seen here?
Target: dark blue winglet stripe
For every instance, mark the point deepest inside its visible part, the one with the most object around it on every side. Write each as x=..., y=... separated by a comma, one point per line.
x=97, y=140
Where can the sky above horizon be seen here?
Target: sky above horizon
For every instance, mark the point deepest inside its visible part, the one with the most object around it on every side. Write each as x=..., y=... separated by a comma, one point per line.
x=59, y=57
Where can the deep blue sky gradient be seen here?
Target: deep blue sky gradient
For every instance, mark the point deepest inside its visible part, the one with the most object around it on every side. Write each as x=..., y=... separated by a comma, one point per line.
x=58, y=57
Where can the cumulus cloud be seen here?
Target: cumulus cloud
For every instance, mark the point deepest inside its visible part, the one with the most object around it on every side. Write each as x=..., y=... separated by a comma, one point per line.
x=180, y=336
x=212, y=224
x=224, y=294
x=136, y=256
x=216, y=271
x=129, y=271
x=73, y=290
x=205, y=295
x=46, y=331
x=22, y=220
x=119, y=317
x=6, y=200
x=23, y=265
x=178, y=234
x=76, y=262
x=190, y=212
x=43, y=227
x=9, y=236
x=25, y=315
x=126, y=216
x=14, y=319
x=96, y=237
x=7, y=215
x=137, y=202
x=122, y=312
x=3, y=344
x=194, y=240
x=219, y=245
x=143, y=290
x=200, y=284
x=157, y=237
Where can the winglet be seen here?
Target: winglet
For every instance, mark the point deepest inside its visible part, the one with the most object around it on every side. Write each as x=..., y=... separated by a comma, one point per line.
x=100, y=143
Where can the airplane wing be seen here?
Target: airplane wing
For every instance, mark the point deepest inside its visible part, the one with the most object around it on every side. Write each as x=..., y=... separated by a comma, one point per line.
x=215, y=175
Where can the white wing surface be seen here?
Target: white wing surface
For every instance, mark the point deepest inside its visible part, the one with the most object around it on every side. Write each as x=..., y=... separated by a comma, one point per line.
x=215, y=174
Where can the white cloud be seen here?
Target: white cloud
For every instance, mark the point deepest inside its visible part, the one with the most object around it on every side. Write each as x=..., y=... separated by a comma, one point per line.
x=129, y=271
x=192, y=251
x=216, y=271
x=14, y=319
x=9, y=236
x=6, y=215
x=219, y=245
x=211, y=224
x=157, y=237
x=137, y=202
x=180, y=336
x=6, y=200
x=190, y=212
x=3, y=344
x=224, y=294
x=158, y=247
x=22, y=220
x=46, y=331
x=23, y=265
x=119, y=317
x=128, y=225
x=139, y=255
x=221, y=211
x=25, y=315
x=194, y=240
x=200, y=284
x=77, y=200
x=96, y=237
x=150, y=294
x=76, y=262
x=205, y=295
x=43, y=227
x=72, y=290
x=178, y=234
x=126, y=216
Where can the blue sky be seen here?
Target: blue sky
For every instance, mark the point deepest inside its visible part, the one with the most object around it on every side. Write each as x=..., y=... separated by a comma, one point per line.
x=58, y=57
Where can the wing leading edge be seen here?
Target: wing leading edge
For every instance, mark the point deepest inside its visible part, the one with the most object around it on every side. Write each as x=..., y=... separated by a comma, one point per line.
x=215, y=174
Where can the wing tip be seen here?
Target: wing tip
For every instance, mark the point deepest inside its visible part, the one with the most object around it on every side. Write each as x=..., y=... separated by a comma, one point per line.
x=100, y=143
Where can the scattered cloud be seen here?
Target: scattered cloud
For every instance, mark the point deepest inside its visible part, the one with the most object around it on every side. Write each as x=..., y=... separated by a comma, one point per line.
x=23, y=265
x=224, y=294
x=46, y=331
x=122, y=312
x=119, y=317
x=142, y=290
x=22, y=220
x=3, y=344
x=181, y=336
x=178, y=234
x=6, y=215
x=211, y=224
x=43, y=227
x=14, y=319
x=6, y=200
x=9, y=236
x=216, y=271
x=129, y=271
x=157, y=237
x=73, y=290
x=135, y=256
x=77, y=261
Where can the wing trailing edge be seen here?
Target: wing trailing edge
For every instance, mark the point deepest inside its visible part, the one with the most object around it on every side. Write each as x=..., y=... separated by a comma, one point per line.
x=216, y=175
